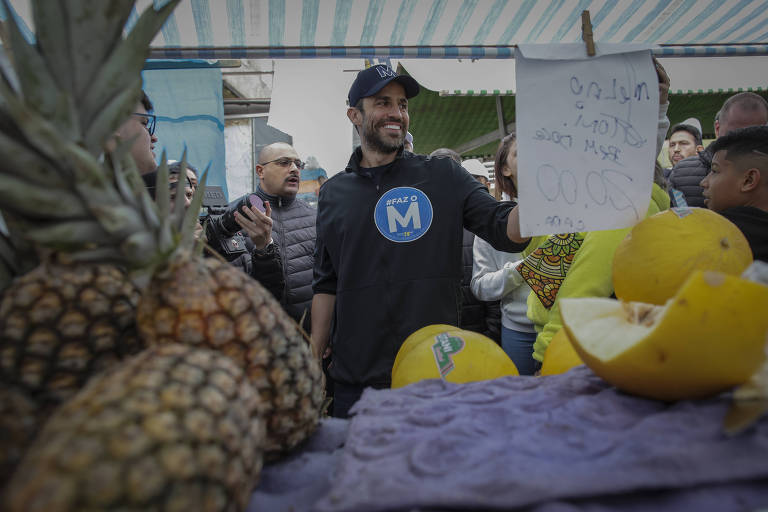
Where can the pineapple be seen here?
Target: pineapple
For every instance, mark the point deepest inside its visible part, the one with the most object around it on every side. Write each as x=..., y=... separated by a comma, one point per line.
x=62, y=321
x=74, y=89
x=173, y=428
x=18, y=423
x=212, y=304
x=59, y=324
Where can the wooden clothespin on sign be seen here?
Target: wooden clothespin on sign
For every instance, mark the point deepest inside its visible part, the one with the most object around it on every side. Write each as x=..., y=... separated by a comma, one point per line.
x=586, y=33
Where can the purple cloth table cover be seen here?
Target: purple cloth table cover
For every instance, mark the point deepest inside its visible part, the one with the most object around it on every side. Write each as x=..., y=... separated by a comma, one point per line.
x=560, y=443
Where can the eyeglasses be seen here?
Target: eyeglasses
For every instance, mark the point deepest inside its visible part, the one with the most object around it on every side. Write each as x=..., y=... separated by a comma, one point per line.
x=151, y=121
x=286, y=162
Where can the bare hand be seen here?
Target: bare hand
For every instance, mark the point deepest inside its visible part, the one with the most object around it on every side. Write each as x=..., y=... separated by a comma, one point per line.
x=257, y=225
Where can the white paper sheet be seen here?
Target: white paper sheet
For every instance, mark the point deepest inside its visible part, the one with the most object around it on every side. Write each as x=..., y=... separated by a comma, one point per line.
x=586, y=132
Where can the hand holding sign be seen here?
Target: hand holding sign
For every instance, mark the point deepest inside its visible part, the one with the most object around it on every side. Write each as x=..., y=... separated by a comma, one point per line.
x=586, y=130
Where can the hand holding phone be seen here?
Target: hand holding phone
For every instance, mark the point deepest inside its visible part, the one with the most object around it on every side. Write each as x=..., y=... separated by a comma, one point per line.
x=256, y=202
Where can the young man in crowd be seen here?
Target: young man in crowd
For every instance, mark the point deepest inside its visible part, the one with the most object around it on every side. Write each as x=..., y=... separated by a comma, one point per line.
x=389, y=232
x=737, y=184
x=684, y=141
x=739, y=111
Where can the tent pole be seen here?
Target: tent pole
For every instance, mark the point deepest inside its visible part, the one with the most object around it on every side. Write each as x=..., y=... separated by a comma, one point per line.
x=500, y=116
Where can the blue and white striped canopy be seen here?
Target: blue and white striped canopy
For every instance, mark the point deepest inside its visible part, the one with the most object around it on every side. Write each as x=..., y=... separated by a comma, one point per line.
x=216, y=29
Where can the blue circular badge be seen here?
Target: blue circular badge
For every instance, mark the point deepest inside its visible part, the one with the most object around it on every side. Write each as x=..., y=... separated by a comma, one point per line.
x=403, y=214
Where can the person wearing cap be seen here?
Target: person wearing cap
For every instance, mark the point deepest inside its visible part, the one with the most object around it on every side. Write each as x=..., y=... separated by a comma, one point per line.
x=388, y=256
x=478, y=171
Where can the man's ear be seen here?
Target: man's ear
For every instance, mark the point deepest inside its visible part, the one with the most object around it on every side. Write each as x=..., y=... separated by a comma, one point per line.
x=260, y=171
x=355, y=116
x=750, y=180
x=717, y=128
x=699, y=148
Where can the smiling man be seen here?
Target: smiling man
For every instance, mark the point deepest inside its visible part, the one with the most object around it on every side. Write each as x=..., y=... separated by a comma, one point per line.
x=285, y=225
x=388, y=256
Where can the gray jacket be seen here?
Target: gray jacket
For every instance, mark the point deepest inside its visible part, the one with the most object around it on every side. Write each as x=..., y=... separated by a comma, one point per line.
x=293, y=231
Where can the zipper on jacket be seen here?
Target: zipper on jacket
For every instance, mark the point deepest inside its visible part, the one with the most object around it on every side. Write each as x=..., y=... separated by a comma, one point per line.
x=283, y=255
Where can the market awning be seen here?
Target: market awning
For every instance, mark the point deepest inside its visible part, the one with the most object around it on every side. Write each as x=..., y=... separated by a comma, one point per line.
x=728, y=40
x=214, y=29
x=473, y=30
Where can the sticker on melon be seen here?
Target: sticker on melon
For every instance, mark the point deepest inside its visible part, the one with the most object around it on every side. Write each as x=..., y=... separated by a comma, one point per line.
x=709, y=337
x=661, y=251
x=425, y=333
x=455, y=356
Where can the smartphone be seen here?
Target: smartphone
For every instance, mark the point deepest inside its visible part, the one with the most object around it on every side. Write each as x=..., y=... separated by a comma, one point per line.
x=256, y=202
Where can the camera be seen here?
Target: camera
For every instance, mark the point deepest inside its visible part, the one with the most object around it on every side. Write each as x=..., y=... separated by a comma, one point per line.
x=221, y=230
x=214, y=201
x=226, y=223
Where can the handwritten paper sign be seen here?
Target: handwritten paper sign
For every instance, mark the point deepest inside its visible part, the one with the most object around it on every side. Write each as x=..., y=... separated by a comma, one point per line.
x=586, y=138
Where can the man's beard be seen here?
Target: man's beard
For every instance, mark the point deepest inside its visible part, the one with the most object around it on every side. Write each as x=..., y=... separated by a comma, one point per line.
x=373, y=140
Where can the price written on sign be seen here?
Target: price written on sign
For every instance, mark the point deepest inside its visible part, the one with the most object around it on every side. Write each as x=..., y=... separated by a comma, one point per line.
x=586, y=132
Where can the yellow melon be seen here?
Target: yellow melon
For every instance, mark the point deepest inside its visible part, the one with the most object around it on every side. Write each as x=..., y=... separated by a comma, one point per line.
x=417, y=337
x=709, y=337
x=455, y=356
x=660, y=252
x=560, y=355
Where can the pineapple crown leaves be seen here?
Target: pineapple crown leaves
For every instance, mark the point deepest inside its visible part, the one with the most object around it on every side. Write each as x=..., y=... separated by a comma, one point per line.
x=81, y=73
x=181, y=221
x=51, y=183
x=66, y=200
x=10, y=266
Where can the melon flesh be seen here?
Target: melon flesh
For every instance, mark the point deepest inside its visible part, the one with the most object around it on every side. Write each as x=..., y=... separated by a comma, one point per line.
x=711, y=336
x=613, y=326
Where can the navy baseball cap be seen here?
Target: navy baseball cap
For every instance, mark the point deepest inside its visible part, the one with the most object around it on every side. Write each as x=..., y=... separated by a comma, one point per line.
x=372, y=80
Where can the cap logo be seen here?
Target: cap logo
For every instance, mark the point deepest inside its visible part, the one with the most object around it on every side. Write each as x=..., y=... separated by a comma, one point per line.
x=385, y=71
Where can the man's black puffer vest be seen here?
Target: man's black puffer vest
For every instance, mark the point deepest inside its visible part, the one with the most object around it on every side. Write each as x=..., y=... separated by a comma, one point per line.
x=293, y=231
x=687, y=175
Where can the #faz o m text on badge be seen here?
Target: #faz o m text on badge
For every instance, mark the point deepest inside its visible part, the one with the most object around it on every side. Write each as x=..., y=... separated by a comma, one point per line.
x=403, y=214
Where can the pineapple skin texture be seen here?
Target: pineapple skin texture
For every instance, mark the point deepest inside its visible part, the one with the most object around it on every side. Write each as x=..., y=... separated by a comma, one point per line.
x=19, y=420
x=62, y=323
x=174, y=428
x=211, y=304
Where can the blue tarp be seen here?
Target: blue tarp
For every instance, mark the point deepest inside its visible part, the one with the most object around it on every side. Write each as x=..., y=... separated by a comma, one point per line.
x=190, y=114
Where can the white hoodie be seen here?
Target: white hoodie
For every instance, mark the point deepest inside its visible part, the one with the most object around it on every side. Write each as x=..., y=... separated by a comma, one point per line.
x=494, y=278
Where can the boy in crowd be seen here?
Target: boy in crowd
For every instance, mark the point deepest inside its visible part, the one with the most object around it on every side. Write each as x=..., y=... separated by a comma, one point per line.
x=737, y=184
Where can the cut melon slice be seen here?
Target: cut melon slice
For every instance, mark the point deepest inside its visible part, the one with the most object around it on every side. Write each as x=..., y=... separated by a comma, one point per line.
x=708, y=338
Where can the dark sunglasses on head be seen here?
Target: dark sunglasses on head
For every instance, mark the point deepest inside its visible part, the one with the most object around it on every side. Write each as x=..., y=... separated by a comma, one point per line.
x=286, y=162
x=151, y=121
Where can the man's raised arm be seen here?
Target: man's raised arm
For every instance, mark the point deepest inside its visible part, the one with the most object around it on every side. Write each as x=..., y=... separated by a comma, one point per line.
x=513, y=226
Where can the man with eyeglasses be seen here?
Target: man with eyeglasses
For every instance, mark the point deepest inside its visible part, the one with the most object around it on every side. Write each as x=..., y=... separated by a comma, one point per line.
x=140, y=127
x=291, y=230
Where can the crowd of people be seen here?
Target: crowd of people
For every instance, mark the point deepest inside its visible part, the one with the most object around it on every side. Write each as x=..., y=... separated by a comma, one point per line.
x=401, y=240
